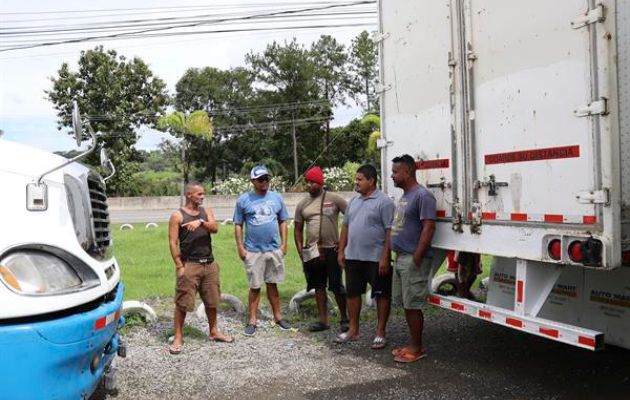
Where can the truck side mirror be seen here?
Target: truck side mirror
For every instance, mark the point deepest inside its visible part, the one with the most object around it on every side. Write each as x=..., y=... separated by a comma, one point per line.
x=106, y=164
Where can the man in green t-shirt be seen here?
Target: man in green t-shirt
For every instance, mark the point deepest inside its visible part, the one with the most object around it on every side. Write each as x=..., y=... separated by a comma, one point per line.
x=320, y=213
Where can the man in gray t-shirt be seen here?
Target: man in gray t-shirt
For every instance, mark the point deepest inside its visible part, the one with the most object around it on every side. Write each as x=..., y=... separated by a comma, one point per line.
x=412, y=232
x=364, y=252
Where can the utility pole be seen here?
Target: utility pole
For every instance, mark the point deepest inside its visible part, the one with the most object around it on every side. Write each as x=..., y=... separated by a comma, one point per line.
x=295, y=160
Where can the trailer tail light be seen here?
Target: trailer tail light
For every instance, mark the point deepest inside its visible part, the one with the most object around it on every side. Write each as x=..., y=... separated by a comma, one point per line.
x=587, y=252
x=554, y=248
x=575, y=251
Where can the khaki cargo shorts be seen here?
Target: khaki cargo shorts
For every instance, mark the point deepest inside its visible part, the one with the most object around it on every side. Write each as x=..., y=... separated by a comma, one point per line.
x=410, y=283
x=265, y=267
x=202, y=278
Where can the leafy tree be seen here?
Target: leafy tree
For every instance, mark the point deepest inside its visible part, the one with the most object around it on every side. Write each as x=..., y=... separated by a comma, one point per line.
x=372, y=152
x=155, y=183
x=330, y=59
x=118, y=96
x=351, y=141
x=226, y=96
x=186, y=126
x=290, y=103
x=364, y=66
x=160, y=160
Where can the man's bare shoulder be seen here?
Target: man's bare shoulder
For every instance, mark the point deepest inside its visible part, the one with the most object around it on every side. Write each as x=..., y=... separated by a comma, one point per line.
x=176, y=216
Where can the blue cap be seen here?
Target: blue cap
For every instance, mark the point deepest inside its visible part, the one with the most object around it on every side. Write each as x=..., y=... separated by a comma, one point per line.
x=258, y=171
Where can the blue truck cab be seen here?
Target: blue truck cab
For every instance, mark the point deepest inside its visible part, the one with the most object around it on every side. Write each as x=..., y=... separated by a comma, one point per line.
x=60, y=290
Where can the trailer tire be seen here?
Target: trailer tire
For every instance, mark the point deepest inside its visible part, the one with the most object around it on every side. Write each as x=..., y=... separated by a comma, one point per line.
x=302, y=295
x=226, y=298
x=138, y=307
x=445, y=284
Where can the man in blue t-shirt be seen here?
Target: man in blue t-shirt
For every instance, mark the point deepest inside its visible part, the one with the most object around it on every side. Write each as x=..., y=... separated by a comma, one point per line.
x=265, y=217
x=412, y=232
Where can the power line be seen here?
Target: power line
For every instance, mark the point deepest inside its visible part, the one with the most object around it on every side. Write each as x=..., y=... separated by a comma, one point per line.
x=173, y=42
x=250, y=17
x=334, y=21
x=224, y=5
x=140, y=23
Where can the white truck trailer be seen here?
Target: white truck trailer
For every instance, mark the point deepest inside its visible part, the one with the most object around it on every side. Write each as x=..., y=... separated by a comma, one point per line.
x=518, y=114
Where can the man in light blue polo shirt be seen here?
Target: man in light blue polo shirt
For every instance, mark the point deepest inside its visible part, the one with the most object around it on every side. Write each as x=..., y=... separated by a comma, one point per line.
x=364, y=253
x=265, y=217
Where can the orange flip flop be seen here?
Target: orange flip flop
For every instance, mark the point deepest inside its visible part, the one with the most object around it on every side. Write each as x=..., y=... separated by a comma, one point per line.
x=406, y=358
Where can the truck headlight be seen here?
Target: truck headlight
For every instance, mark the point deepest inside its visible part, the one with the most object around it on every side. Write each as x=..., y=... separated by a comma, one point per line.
x=35, y=272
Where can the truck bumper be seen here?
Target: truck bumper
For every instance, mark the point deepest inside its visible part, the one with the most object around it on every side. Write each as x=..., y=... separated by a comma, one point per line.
x=62, y=358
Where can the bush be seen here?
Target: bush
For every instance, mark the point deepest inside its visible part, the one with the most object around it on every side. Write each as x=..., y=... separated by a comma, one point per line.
x=239, y=185
x=153, y=183
x=338, y=179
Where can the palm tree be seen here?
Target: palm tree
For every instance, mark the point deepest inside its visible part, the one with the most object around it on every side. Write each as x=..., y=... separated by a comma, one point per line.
x=181, y=125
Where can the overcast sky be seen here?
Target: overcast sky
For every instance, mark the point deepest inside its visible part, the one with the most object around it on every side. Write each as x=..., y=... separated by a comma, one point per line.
x=26, y=116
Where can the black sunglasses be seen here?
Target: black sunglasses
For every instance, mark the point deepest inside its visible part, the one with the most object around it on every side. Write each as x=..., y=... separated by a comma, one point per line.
x=263, y=179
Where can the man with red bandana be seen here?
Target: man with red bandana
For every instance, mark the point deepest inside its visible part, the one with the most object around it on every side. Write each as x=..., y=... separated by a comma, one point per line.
x=320, y=213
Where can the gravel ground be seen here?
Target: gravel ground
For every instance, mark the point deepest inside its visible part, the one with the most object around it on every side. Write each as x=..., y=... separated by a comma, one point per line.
x=467, y=358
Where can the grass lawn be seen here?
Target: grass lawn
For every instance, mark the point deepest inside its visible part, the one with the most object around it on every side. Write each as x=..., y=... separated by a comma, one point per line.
x=148, y=270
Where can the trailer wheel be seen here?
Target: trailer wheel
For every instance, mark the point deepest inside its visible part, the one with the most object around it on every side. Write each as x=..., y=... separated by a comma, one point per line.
x=445, y=284
x=138, y=307
x=302, y=295
x=226, y=298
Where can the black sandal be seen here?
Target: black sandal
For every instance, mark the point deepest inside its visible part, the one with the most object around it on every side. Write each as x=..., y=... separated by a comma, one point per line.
x=318, y=327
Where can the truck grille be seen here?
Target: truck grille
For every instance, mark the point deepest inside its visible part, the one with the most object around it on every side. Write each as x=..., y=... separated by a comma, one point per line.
x=100, y=214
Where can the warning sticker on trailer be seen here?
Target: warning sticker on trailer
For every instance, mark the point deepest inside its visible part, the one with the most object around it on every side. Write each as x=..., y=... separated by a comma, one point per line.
x=432, y=164
x=533, y=155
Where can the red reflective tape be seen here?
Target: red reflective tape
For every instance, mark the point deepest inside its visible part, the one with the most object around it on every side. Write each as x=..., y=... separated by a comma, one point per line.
x=549, y=153
x=440, y=213
x=518, y=217
x=434, y=300
x=589, y=219
x=587, y=341
x=457, y=306
x=557, y=218
x=485, y=314
x=488, y=215
x=549, y=332
x=519, y=291
x=514, y=322
x=432, y=164
x=100, y=323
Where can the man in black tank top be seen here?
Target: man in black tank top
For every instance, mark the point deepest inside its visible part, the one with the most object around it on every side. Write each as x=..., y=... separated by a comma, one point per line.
x=190, y=243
